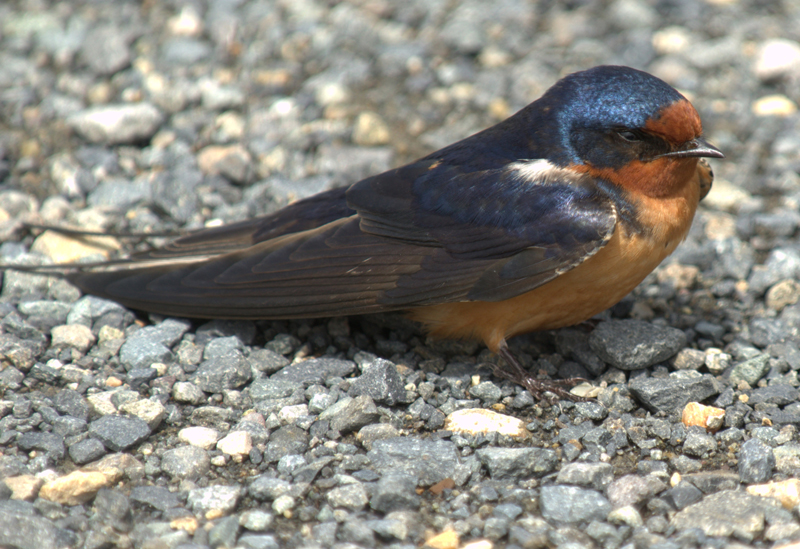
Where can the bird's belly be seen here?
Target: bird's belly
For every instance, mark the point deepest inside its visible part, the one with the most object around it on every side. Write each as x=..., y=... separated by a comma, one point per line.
x=593, y=286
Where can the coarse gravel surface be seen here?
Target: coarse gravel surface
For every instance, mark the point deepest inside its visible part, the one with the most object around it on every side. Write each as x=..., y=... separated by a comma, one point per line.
x=119, y=429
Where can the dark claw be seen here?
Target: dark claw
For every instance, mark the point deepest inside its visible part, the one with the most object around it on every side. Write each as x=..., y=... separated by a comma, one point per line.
x=536, y=387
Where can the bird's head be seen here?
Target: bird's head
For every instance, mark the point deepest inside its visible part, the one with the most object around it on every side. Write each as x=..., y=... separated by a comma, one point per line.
x=626, y=126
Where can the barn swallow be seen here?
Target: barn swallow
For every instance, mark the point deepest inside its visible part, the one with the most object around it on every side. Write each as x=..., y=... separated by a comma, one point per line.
x=539, y=222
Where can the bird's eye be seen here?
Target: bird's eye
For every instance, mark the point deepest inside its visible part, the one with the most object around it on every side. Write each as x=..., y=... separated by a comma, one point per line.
x=628, y=135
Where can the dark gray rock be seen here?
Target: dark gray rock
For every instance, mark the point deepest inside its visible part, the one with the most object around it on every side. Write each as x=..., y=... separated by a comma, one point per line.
x=427, y=460
x=219, y=374
x=590, y=475
x=71, y=403
x=50, y=443
x=315, y=370
x=731, y=513
x=379, y=381
x=87, y=450
x=25, y=530
x=506, y=463
x=393, y=492
x=267, y=488
x=635, y=344
x=756, y=461
x=289, y=439
x=119, y=433
x=351, y=414
x=671, y=394
x=570, y=504
x=156, y=497
x=682, y=495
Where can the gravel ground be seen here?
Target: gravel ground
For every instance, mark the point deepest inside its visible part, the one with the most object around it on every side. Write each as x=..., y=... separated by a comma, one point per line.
x=118, y=430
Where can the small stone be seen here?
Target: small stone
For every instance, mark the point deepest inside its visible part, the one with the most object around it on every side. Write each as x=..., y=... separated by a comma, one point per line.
x=590, y=475
x=76, y=336
x=226, y=372
x=256, y=520
x=716, y=361
x=370, y=130
x=62, y=248
x=151, y=411
x=570, y=504
x=231, y=161
x=117, y=124
x=750, y=371
x=633, y=489
x=188, y=393
x=119, y=433
x=380, y=381
x=350, y=414
x=476, y=421
x=218, y=498
x=756, y=461
x=202, y=437
x=75, y=488
x=429, y=460
x=774, y=105
x=394, y=492
x=509, y=463
x=24, y=487
x=237, y=443
x=155, y=497
x=700, y=415
x=350, y=496
x=635, y=344
x=627, y=515
x=186, y=462
x=782, y=294
x=730, y=513
x=688, y=359
x=674, y=392
x=777, y=58
x=86, y=451
x=266, y=488
x=786, y=491
x=449, y=539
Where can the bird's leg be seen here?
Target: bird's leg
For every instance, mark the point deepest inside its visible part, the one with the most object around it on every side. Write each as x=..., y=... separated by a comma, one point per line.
x=536, y=387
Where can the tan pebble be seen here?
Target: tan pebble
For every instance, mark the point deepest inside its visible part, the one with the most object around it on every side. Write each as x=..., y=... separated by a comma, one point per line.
x=785, y=491
x=476, y=421
x=213, y=514
x=446, y=540
x=478, y=544
x=700, y=415
x=24, y=487
x=370, y=130
x=189, y=524
x=774, y=105
x=236, y=443
x=782, y=294
x=77, y=336
x=64, y=249
x=113, y=382
x=75, y=488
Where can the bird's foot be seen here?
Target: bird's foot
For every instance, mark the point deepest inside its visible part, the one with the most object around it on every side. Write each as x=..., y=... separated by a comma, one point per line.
x=538, y=388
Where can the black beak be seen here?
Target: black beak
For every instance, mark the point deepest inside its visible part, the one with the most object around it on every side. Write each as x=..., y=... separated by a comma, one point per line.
x=698, y=147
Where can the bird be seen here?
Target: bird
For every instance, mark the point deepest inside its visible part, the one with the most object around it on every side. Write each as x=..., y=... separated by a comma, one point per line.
x=539, y=222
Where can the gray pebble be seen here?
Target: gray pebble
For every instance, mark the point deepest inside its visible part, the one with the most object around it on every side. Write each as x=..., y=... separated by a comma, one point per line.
x=119, y=433
x=505, y=463
x=117, y=124
x=635, y=344
x=185, y=462
x=570, y=504
x=756, y=461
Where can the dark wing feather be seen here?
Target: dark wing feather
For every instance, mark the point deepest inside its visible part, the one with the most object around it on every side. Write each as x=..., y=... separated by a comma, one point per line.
x=423, y=234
